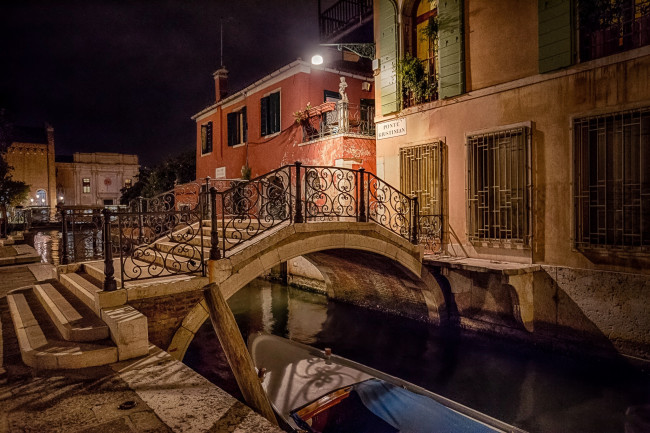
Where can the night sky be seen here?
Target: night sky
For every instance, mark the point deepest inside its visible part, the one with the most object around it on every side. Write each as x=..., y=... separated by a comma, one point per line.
x=126, y=76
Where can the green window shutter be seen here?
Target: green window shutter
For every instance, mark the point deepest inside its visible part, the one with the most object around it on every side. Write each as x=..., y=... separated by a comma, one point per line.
x=232, y=128
x=555, y=35
x=244, y=119
x=450, y=48
x=264, y=115
x=274, y=112
x=388, y=57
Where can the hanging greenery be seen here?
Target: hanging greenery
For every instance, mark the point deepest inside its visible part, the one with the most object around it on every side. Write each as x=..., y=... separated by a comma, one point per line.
x=431, y=29
x=413, y=79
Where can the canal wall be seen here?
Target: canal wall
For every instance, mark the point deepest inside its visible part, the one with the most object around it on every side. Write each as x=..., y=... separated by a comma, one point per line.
x=605, y=312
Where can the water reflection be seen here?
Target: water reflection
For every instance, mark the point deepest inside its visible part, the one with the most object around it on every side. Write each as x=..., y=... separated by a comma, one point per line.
x=535, y=390
x=82, y=245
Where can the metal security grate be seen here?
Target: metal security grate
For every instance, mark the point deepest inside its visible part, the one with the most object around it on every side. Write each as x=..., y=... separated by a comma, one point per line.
x=498, y=183
x=421, y=176
x=612, y=181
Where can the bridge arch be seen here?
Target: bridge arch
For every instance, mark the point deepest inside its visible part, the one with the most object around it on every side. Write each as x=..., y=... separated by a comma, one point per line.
x=324, y=243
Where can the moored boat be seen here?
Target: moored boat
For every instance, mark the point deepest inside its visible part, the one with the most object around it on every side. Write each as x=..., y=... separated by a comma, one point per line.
x=316, y=391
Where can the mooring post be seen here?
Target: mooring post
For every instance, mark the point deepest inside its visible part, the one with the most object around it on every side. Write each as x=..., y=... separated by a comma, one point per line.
x=362, y=196
x=215, y=253
x=239, y=359
x=414, y=221
x=109, y=279
x=64, y=236
x=297, y=217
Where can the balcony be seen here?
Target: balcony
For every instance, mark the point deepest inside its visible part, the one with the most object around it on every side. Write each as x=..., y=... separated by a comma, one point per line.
x=343, y=17
x=419, y=83
x=332, y=118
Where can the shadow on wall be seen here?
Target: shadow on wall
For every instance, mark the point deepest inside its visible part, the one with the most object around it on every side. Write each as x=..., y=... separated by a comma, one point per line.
x=605, y=313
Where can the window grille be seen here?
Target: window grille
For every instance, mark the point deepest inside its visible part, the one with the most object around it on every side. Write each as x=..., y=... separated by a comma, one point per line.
x=612, y=181
x=421, y=176
x=498, y=187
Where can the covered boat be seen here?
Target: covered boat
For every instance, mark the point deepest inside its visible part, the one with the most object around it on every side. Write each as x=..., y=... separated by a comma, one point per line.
x=316, y=391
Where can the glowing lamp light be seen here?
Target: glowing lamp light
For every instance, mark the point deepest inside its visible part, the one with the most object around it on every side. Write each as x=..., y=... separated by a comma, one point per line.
x=317, y=60
x=32, y=200
x=61, y=198
x=42, y=200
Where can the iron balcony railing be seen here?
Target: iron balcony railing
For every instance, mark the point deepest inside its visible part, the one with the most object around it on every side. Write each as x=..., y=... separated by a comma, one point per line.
x=333, y=118
x=342, y=16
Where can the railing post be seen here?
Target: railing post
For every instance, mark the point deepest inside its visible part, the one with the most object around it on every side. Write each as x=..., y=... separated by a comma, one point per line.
x=297, y=217
x=362, y=196
x=109, y=279
x=140, y=220
x=414, y=221
x=215, y=253
x=205, y=209
x=64, y=237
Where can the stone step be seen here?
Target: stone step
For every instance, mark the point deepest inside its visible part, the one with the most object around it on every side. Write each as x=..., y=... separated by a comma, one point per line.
x=82, y=288
x=207, y=242
x=235, y=223
x=184, y=250
x=75, y=322
x=41, y=344
x=233, y=233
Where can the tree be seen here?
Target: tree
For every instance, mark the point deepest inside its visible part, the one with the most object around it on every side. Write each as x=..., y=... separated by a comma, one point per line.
x=153, y=181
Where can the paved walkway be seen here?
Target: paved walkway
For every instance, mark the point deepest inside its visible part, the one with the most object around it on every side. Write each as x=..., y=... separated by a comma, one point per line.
x=151, y=394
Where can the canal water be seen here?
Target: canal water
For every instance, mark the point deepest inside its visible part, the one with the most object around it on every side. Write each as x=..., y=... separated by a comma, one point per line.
x=533, y=389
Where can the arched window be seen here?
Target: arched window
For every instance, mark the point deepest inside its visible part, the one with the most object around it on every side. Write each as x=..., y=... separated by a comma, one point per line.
x=419, y=66
x=41, y=197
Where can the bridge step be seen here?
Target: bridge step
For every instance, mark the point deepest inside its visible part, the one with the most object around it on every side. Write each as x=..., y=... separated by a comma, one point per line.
x=233, y=233
x=74, y=320
x=41, y=344
x=234, y=223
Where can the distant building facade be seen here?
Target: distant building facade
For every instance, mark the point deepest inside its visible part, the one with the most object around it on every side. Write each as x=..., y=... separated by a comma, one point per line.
x=91, y=179
x=292, y=114
x=31, y=154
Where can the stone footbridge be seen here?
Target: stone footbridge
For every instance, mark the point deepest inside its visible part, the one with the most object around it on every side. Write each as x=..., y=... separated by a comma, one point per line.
x=365, y=238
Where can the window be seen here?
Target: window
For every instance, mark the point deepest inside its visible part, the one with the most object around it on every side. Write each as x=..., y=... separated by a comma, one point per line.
x=497, y=186
x=85, y=184
x=206, y=138
x=270, y=114
x=421, y=175
x=612, y=181
x=108, y=202
x=41, y=197
x=609, y=27
x=128, y=183
x=237, y=127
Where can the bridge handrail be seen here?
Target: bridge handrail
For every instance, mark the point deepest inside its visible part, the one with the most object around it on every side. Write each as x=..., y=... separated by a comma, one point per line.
x=291, y=194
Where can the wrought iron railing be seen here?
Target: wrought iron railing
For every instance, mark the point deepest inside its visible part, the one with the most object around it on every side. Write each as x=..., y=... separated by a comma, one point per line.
x=81, y=233
x=342, y=15
x=152, y=244
x=175, y=239
x=338, y=118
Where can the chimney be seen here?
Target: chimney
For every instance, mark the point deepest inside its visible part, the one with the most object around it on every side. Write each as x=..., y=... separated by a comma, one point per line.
x=221, y=83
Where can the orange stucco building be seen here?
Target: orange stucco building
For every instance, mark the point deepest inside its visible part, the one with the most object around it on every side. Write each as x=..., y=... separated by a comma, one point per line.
x=283, y=118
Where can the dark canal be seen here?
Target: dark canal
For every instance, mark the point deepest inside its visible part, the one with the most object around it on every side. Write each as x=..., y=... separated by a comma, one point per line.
x=533, y=389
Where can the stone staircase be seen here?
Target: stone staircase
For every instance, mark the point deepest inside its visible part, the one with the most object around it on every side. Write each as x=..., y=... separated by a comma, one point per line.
x=172, y=252
x=68, y=322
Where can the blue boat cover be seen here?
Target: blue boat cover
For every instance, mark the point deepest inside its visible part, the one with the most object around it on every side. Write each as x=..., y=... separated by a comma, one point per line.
x=414, y=413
